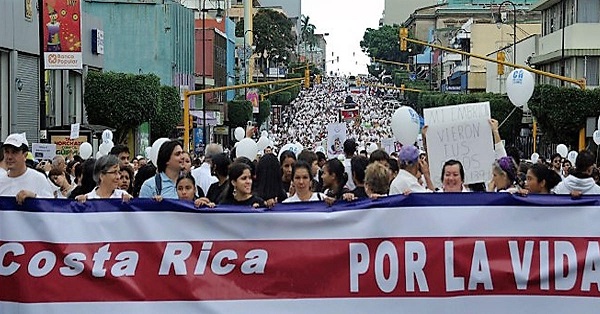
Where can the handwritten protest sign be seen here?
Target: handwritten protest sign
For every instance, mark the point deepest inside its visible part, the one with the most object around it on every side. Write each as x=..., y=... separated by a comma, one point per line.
x=463, y=133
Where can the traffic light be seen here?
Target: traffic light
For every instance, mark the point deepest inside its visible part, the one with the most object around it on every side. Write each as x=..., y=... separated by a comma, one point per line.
x=501, y=56
x=403, y=36
x=306, y=78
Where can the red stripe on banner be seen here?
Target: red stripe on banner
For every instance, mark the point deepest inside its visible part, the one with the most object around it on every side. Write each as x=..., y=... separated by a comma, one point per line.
x=33, y=272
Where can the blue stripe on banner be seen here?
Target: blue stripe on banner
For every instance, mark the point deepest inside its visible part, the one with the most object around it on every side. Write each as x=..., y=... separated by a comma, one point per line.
x=412, y=200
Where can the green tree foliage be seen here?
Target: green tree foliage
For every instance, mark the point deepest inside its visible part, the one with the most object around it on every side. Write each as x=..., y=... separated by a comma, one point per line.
x=121, y=101
x=272, y=34
x=264, y=111
x=281, y=98
x=168, y=114
x=384, y=43
x=562, y=112
x=239, y=113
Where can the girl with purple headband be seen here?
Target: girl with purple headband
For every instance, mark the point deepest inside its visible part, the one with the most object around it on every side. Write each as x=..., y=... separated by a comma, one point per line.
x=504, y=176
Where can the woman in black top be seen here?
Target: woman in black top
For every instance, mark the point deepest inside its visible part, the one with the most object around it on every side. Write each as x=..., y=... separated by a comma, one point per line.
x=287, y=160
x=268, y=184
x=239, y=190
x=334, y=179
x=219, y=168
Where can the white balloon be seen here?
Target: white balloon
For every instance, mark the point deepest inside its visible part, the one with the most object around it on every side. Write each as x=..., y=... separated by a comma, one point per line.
x=239, y=133
x=155, y=148
x=598, y=123
x=107, y=135
x=103, y=148
x=264, y=134
x=519, y=87
x=405, y=125
x=262, y=143
x=321, y=149
x=247, y=148
x=99, y=154
x=299, y=148
x=535, y=157
x=596, y=137
x=562, y=150
x=109, y=145
x=572, y=156
x=85, y=150
x=147, y=152
x=291, y=147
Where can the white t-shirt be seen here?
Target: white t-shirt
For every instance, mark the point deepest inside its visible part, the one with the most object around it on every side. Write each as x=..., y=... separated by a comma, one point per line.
x=406, y=181
x=116, y=194
x=2, y=172
x=314, y=197
x=31, y=180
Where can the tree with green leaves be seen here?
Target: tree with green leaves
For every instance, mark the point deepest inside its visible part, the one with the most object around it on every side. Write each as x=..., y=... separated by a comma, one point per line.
x=239, y=113
x=120, y=100
x=383, y=43
x=272, y=35
x=168, y=113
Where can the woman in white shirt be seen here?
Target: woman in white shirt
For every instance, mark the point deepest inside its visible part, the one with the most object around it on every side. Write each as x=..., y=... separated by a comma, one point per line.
x=108, y=178
x=302, y=180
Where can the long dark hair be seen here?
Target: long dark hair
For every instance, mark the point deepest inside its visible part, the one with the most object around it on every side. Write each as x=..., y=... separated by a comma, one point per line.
x=268, y=183
x=336, y=168
x=164, y=154
x=543, y=173
x=87, y=179
x=235, y=171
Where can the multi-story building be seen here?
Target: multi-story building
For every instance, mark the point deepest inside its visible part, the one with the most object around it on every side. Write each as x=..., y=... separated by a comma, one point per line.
x=566, y=45
x=470, y=26
x=397, y=11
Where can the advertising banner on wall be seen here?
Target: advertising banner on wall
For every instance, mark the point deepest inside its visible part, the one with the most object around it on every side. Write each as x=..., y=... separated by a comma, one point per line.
x=62, y=34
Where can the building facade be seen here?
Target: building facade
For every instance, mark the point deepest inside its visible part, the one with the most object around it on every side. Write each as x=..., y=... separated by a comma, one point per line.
x=566, y=45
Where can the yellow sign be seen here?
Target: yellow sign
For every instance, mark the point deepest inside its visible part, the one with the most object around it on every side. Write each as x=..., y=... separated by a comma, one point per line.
x=66, y=146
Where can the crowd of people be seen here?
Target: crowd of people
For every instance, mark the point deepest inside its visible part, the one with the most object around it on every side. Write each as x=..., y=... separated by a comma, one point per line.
x=222, y=178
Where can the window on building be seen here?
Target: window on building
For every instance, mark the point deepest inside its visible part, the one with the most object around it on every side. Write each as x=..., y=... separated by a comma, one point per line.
x=592, y=71
x=588, y=11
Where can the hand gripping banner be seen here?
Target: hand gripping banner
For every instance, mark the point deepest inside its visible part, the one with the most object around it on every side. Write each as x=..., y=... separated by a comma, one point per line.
x=440, y=253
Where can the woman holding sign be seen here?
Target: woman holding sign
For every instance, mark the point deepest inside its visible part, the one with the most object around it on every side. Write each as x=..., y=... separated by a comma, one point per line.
x=453, y=177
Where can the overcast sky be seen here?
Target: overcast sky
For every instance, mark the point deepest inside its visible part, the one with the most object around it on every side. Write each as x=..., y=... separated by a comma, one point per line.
x=346, y=22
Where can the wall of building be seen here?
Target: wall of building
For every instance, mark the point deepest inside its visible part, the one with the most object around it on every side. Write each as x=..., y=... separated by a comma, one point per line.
x=397, y=11
x=147, y=36
x=497, y=83
x=19, y=70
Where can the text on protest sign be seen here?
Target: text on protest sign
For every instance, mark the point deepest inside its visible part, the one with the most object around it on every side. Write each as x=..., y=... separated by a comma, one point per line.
x=463, y=133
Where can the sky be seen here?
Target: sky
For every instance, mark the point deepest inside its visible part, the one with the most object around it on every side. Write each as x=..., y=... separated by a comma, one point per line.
x=346, y=22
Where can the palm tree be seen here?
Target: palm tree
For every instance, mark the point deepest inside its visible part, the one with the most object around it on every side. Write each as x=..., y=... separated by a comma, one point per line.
x=307, y=32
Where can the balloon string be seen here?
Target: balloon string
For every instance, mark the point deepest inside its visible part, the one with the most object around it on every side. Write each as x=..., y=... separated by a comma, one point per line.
x=507, y=117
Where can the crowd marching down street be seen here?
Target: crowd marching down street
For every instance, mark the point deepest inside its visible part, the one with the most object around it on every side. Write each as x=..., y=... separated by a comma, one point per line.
x=326, y=164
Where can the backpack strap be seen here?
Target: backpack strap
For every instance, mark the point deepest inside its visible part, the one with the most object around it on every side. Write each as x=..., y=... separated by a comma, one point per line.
x=158, y=183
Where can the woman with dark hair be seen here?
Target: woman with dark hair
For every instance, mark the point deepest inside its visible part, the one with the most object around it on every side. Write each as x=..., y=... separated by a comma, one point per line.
x=541, y=179
x=126, y=179
x=453, y=177
x=302, y=178
x=566, y=168
x=239, y=190
x=286, y=161
x=268, y=185
x=581, y=180
x=334, y=179
x=504, y=176
x=219, y=168
x=188, y=191
x=86, y=183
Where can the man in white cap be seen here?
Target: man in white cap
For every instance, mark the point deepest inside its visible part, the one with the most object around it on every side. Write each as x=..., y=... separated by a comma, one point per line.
x=21, y=181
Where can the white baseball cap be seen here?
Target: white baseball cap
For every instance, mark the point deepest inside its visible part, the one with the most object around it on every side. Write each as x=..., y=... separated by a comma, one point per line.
x=17, y=140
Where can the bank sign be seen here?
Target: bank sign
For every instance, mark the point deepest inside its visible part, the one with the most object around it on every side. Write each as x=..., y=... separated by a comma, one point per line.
x=62, y=34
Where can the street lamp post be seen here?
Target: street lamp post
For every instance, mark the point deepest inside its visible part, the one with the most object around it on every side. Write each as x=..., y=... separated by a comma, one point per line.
x=219, y=18
x=245, y=62
x=499, y=23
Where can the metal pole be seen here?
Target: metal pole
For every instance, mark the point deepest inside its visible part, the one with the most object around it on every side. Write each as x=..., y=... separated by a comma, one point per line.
x=245, y=67
x=562, y=48
x=514, y=32
x=204, y=71
x=42, y=73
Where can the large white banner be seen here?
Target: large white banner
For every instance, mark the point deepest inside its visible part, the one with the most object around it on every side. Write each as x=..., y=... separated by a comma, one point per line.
x=462, y=133
x=421, y=253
